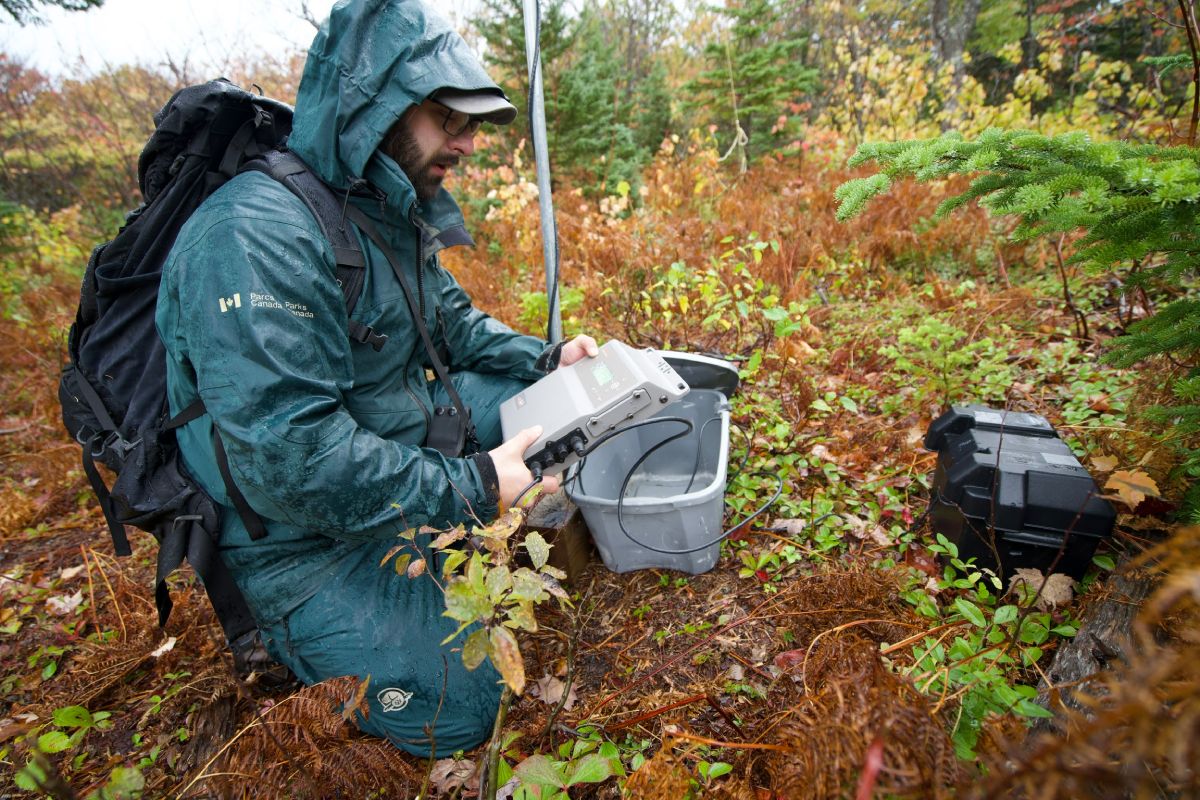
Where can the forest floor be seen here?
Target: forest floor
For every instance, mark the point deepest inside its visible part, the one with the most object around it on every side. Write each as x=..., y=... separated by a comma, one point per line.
x=805, y=664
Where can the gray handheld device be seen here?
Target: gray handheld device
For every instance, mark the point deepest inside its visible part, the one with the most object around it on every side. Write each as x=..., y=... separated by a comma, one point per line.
x=576, y=405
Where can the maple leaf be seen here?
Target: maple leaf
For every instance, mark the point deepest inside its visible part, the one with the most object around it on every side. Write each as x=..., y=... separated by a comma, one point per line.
x=1132, y=486
x=1104, y=463
x=550, y=691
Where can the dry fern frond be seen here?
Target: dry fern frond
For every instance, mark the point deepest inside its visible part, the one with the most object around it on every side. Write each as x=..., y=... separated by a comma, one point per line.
x=664, y=775
x=853, y=700
x=1137, y=733
x=302, y=748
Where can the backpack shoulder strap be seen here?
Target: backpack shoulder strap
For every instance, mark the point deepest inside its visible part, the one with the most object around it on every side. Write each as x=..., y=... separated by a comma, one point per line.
x=287, y=168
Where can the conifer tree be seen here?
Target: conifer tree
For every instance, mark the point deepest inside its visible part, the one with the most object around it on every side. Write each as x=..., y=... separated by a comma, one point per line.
x=501, y=23
x=589, y=132
x=25, y=12
x=754, y=69
x=1137, y=207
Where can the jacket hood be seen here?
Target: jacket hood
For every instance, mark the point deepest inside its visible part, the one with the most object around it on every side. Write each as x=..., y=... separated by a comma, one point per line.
x=371, y=61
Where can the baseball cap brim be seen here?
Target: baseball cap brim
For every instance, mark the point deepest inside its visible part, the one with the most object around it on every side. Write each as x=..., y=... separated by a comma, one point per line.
x=490, y=106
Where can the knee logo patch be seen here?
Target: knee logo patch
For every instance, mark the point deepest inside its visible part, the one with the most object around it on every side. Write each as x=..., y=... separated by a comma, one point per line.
x=394, y=699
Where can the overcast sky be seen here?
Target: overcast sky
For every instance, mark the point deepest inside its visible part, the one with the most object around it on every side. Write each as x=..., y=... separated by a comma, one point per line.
x=205, y=33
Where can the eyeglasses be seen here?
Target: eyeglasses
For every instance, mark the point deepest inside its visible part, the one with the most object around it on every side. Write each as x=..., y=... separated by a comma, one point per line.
x=456, y=123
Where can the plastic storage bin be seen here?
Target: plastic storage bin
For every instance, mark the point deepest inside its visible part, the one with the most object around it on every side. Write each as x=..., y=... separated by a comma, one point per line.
x=1006, y=479
x=675, y=500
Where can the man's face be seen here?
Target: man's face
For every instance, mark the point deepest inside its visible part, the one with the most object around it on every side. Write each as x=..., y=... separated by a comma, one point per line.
x=421, y=146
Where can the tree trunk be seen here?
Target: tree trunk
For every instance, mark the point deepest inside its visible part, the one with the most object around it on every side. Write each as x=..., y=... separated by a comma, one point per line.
x=950, y=34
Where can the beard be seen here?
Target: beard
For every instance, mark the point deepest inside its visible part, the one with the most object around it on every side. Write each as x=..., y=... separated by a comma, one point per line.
x=402, y=146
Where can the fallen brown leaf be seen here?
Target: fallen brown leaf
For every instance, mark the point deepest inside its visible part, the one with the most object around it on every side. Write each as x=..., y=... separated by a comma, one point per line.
x=1132, y=486
x=550, y=691
x=1059, y=589
x=449, y=774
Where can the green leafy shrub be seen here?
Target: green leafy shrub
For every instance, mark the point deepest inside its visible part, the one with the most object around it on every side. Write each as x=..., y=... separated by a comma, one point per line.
x=1136, y=208
x=937, y=353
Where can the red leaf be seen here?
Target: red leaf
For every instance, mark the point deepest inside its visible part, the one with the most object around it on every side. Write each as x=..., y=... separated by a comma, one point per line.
x=921, y=559
x=790, y=660
x=762, y=575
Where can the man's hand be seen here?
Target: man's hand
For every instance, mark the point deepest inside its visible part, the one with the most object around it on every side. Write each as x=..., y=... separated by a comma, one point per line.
x=510, y=466
x=576, y=349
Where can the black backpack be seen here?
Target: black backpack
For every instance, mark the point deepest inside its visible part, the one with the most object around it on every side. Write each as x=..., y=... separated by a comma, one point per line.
x=113, y=390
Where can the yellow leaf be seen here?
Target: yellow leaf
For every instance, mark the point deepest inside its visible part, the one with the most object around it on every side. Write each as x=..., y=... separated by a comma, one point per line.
x=1104, y=463
x=402, y=563
x=391, y=553
x=506, y=657
x=448, y=538
x=476, y=649
x=1132, y=486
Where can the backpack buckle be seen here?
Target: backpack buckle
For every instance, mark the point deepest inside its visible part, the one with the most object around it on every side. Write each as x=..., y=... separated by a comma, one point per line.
x=113, y=442
x=365, y=334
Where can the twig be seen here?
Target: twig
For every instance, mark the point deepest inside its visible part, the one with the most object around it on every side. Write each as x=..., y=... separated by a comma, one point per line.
x=716, y=706
x=918, y=636
x=566, y=692
x=741, y=621
x=690, y=737
x=1081, y=329
x=837, y=629
x=256, y=721
x=491, y=761
x=91, y=588
x=297, y=766
x=746, y=663
x=687, y=701
x=432, y=728
x=1189, y=24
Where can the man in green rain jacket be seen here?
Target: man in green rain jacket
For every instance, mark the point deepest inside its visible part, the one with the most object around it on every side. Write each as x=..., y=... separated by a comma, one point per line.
x=323, y=435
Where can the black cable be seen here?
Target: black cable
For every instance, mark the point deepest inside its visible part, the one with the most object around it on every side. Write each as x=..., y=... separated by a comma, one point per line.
x=537, y=478
x=715, y=539
x=689, y=427
x=699, y=451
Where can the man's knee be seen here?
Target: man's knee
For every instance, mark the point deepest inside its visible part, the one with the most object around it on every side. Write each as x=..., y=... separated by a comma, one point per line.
x=420, y=696
x=456, y=714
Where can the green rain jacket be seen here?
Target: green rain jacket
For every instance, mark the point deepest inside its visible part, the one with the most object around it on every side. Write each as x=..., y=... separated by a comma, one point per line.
x=323, y=435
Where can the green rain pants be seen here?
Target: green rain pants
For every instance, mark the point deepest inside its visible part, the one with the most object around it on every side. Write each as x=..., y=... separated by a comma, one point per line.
x=389, y=628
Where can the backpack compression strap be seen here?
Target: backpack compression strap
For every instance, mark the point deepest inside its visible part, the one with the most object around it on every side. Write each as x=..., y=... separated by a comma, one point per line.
x=252, y=521
x=287, y=168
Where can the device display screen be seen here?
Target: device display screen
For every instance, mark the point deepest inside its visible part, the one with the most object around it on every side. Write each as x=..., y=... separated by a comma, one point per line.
x=602, y=374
